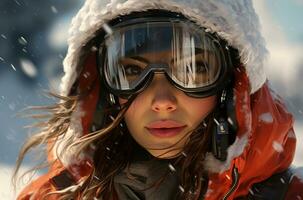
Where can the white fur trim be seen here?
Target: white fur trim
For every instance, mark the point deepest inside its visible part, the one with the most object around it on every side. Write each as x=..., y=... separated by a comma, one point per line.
x=214, y=165
x=235, y=21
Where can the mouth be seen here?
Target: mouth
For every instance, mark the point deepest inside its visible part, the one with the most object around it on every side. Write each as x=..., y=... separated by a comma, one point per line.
x=165, y=128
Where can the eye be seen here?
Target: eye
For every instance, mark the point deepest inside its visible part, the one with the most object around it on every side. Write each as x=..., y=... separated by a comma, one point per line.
x=201, y=67
x=132, y=70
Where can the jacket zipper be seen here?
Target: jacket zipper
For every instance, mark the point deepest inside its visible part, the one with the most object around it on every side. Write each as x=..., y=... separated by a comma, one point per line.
x=234, y=183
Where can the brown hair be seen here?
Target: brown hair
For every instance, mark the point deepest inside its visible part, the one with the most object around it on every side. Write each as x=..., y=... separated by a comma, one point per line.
x=193, y=179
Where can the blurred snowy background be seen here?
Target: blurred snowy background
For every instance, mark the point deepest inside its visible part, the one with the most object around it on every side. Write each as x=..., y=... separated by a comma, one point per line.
x=33, y=44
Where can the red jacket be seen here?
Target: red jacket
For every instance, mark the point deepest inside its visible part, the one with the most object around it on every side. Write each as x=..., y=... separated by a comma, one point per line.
x=264, y=146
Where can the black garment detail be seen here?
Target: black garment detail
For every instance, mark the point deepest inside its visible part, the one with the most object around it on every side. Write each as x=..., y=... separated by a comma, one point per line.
x=273, y=188
x=134, y=182
x=63, y=180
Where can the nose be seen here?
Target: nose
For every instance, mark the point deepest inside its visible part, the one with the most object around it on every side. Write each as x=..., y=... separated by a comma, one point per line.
x=163, y=94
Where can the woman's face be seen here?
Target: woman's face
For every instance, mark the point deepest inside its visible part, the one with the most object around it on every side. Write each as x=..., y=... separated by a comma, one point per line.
x=161, y=115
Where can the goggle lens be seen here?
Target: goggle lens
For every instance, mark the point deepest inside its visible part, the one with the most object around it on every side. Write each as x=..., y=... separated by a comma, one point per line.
x=191, y=58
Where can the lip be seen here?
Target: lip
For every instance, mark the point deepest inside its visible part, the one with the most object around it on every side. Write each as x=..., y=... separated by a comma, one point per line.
x=165, y=128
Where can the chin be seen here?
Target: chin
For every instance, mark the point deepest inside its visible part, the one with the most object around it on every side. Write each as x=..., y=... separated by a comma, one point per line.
x=164, y=154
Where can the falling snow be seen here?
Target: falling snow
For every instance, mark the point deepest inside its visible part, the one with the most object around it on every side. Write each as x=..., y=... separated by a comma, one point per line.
x=3, y=36
x=12, y=106
x=22, y=40
x=86, y=75
x=204, y=124
x=112, y=118
x=94, y=128
x=181, y=188
x=171, y=167
x=266, y=117
x=13, y=67
x=216, y=121
x=54, y=9
x=230, y=121
x=94, y=49
x=251, y=191
x=18, y=3
x=277, y=146
x=107, y=29
x=28, y=68
x=11, y=137
x=184, y=154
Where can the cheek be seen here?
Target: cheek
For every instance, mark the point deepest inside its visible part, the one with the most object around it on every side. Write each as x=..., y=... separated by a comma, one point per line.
x=207, y=104
x=133, y=106
x=200, y=108
x=133, y=113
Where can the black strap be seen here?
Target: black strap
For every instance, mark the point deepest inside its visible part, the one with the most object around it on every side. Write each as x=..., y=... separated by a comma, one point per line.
x=63, y=180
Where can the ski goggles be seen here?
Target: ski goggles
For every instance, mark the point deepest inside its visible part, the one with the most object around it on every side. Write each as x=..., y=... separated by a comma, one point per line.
x=192, y=59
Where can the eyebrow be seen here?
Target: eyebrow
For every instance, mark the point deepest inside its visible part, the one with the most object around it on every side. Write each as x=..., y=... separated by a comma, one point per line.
x=139, y=58
x=197, y=52
x=142, y=59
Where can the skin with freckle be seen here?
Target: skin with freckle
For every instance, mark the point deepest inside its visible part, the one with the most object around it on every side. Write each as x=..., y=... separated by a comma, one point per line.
x=162, y=101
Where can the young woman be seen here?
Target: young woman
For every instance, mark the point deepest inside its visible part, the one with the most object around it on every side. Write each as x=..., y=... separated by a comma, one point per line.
x=166, y=100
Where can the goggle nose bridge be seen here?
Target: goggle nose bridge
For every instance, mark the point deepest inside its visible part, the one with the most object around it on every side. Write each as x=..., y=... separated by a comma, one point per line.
x=152, y=69
x=157, y=67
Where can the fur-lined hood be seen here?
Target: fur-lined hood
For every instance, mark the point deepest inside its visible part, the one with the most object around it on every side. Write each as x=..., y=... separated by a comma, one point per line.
x=265, y=141
x=234, y=21
x=238, y=24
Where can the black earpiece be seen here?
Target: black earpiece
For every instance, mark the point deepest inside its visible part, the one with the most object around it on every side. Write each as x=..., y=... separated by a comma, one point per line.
x=225, y=126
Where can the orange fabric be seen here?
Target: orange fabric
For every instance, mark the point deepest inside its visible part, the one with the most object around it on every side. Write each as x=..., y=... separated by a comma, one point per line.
x=261, y=118
x=41, y=186
x=271, y=141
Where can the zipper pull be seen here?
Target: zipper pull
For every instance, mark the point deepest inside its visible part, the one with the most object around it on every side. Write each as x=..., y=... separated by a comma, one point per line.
x=235, y=182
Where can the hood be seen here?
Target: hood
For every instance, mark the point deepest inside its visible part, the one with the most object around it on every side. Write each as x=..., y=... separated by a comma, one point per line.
x=265, y=141
x=234, y=21
x=264, y=145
